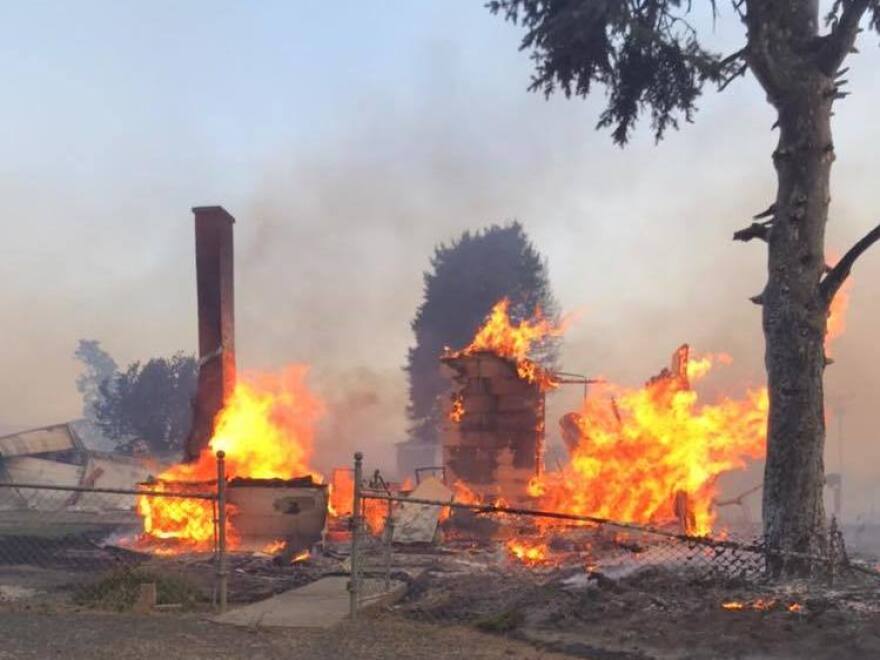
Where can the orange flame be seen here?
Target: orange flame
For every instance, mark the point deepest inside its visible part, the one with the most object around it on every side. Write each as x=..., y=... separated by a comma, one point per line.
x=457, y=412
x=759, y=605
x=528, y=553
x=300, y=556
x=266, y=430
x=274, y=547
x=515, y=341
x=341, y=492
x=463, y=494
x=836, y=324
x=652, y=455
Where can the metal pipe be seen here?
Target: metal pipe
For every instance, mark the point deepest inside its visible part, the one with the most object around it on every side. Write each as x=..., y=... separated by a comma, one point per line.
x=353, y=584
x=114, y=491
x=222, y=572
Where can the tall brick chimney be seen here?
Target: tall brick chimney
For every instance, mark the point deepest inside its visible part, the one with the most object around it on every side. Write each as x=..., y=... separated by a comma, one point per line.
x=214, y=277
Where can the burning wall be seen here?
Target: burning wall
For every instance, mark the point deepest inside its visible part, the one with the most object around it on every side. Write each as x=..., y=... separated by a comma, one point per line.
x=493, y=438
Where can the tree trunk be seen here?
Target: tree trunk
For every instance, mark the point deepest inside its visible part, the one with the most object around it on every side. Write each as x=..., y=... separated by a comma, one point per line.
x=794, y=319
x=782, y=54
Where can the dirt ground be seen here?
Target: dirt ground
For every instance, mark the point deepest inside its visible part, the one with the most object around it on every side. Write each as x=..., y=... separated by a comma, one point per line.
x=463, y=604
x=656, y=615
x=42, y=635
x=440, y=622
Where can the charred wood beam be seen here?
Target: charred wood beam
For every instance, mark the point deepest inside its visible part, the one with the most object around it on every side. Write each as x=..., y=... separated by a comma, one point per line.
x=841, y=270
x=842, y=38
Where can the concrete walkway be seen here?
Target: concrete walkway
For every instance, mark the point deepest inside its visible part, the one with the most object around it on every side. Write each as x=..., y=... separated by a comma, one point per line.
x=319, y=604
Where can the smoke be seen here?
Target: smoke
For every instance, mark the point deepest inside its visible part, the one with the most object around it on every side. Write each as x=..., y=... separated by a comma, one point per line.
x=334, y=232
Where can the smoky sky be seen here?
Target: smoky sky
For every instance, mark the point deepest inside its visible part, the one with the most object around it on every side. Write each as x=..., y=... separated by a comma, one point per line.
x=336, y=222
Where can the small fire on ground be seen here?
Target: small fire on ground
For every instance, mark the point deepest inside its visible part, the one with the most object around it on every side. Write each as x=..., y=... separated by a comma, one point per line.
x=762, y=605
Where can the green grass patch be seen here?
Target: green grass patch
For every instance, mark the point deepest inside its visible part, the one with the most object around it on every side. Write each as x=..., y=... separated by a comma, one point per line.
x=504, y=621
x=119, y=590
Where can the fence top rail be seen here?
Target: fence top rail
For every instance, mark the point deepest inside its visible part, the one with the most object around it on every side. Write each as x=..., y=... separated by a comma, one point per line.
x=113, y=491
x=537, y=513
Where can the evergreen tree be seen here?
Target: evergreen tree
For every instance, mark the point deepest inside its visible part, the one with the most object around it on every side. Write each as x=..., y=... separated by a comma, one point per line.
x=149, y=403
x=467, y=277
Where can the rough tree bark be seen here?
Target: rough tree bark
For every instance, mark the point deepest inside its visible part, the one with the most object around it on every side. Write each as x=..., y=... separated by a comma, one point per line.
x=798, y=69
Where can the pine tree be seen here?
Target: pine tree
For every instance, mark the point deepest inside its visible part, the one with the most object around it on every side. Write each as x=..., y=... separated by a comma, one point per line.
x=466, y=278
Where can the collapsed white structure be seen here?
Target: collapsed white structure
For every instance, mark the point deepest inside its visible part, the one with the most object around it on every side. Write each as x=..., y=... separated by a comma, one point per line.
x=57, y=456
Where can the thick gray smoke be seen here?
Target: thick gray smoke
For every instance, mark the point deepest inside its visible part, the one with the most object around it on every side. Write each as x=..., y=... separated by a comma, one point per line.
x=334, y=233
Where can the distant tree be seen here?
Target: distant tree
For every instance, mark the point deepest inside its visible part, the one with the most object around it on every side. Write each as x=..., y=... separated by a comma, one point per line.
x=149, y=403
x=99, y=367
x=651, y=60
x=466, y=278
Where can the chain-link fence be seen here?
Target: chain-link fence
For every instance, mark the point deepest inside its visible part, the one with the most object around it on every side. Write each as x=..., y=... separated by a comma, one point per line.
x=84, y=538
x=509, y=537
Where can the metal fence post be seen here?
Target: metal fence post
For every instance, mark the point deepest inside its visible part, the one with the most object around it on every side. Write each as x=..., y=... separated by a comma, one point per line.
x=389, y=539
x=353, y=584
x=222, y=572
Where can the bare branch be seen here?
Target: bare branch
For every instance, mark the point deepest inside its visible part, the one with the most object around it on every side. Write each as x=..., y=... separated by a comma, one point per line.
x=840, y=41
x=741, y=71
x=755, y=230
x=841, y=270
x=768, y=212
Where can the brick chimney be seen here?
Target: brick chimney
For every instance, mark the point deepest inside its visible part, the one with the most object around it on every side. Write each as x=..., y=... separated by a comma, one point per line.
x=214, y=278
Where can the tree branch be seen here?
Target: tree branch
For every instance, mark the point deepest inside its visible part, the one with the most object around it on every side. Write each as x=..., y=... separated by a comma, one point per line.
x=755, y=230
x=840, y=41
x=841, y=270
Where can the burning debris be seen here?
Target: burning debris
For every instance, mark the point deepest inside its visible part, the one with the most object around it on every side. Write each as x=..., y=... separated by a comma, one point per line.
x=651, y=455
x=648, y=455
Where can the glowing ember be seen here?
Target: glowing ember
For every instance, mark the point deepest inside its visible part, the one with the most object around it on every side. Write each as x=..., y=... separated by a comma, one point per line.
x=266, y=430
x=301, y=556
x=528, y=552
x=274, y=547
x=795, y=608
x=651, y=455
x=514, y=341
x=457, y=411
x=758, y=605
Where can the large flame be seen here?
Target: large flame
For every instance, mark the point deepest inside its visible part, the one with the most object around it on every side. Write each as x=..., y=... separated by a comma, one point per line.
x=515, y=341
x=266, y=430
x=652, y=454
